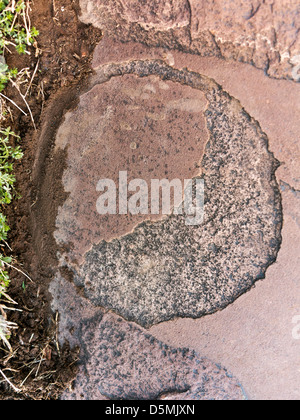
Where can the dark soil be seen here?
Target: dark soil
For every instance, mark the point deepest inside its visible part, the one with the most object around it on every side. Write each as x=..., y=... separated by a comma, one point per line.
x=38, y=365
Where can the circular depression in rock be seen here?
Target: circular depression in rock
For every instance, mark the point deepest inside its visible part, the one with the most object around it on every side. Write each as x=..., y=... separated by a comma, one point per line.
x=165, y=269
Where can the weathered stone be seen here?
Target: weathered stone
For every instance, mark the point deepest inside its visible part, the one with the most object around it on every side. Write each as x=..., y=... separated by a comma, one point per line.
x=269, y=101
x=152, y=129
x=257, y=337
x=119, y=267
x=120, y=361
x=263, y=33
x=166, y=269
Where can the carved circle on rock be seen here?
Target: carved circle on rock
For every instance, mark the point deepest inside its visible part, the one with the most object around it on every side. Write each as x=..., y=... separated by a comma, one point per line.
x=164, y=269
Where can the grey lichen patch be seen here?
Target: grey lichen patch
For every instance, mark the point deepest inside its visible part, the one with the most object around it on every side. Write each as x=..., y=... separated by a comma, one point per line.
x=122, y=362
x=119, y=360
x=166, y=269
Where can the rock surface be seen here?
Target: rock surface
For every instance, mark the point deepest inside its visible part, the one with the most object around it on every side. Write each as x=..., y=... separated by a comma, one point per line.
x=150, y=128
x=121, y=361
x=257, y=337
x=263, y=33
x=227, y=120
x=167, y=269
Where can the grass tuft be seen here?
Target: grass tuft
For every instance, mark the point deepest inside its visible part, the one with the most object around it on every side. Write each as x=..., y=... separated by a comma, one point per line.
x=16, y=34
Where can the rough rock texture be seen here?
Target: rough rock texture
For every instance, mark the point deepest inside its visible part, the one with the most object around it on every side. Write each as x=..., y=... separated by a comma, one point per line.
x=261, y=32
x=275, y=104
x=129, y=364
x=240, y=239
x=256, y=336
x=253, y=336
x=167, y=269
x=121, y=361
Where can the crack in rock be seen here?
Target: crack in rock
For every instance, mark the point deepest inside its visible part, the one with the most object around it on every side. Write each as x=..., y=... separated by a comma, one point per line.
x=119, y=360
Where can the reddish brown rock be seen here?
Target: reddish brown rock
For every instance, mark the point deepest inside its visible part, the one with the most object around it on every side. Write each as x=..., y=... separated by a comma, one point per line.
x=257, y=337
x=165, y=269
x=156, y=14
x=274, y=103
x=139, y=20
x=263, y=33
x=142, y=278
x=120, y=361
x=150, y=128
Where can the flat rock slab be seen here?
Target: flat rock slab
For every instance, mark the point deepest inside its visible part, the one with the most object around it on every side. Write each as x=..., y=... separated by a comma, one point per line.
x=155, y=271
x=121, y=361
x=263, y=33
x=153, y=120
x=150, y=128
x=144, y=112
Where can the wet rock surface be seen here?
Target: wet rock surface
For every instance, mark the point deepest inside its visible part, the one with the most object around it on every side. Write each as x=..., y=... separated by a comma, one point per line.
x=149, y=270
x=167, y=269
x=129, y=364
x=150, y=128
x=121, y=361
